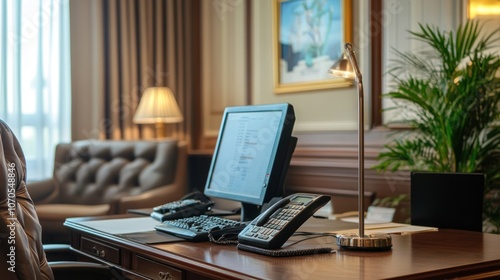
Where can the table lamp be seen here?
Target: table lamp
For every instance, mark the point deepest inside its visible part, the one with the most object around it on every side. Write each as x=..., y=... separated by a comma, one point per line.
x=158, y=106
x=347, y=67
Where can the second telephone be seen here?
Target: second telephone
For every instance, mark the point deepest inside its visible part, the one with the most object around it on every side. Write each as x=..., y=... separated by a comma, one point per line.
x=190, y=205
x=272, y=228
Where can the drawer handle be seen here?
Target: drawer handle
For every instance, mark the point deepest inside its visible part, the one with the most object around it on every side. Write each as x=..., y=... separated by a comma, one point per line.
x=165, y=275
x=98, y=253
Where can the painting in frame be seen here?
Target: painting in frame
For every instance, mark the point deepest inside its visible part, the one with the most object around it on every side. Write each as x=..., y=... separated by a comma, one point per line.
x=308, y=37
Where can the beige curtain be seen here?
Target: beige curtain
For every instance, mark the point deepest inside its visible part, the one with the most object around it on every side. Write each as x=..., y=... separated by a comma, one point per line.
x=133, y=45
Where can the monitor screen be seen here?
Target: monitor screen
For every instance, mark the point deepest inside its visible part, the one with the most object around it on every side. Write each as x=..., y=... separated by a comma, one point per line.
x=252, y=154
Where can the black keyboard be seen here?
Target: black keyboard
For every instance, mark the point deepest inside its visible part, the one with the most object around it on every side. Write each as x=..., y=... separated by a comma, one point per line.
x=197, y=228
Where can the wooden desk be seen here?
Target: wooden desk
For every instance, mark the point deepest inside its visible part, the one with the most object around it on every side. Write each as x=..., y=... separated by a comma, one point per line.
x=440, y=254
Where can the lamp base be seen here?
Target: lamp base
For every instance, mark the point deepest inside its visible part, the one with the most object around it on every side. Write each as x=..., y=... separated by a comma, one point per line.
x=160, y=130
x=371, y=242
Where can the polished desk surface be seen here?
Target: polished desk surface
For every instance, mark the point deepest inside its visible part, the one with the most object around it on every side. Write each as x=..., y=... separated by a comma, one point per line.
x=437, y=254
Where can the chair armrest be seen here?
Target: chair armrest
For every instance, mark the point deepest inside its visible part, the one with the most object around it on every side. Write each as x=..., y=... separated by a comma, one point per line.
x=82, y=270
x=147, y=199
x=64, y=265
x=43, y=191
x=58, y=252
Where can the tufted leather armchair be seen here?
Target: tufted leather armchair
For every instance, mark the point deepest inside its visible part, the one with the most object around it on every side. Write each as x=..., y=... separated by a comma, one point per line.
x=100, y=177
x=22, y=254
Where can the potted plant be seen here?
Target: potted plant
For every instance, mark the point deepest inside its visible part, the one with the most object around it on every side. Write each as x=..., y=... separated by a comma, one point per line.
x=449, y=95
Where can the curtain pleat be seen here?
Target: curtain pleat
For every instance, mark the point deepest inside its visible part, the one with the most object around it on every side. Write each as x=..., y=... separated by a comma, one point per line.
x=143, y=47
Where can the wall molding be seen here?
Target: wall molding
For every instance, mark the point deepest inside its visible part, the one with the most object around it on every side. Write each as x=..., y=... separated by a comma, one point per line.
x=327, y=163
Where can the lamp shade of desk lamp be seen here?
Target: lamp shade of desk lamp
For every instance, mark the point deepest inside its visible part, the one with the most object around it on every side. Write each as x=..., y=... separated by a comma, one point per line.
x=158, y=106
x=347, y=67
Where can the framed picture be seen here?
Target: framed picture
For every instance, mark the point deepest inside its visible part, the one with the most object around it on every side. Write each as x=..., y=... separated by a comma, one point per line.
x=308, y=37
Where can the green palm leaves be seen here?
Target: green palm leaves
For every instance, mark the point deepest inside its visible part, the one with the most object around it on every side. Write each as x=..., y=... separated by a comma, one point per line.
x=450, y=95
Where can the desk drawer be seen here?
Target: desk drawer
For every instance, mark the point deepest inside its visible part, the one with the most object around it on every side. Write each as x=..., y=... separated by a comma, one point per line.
x=156, y=270
x=101, y=250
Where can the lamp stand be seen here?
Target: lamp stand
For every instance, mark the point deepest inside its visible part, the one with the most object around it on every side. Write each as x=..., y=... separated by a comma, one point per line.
x=361, y=241
x=160, y=130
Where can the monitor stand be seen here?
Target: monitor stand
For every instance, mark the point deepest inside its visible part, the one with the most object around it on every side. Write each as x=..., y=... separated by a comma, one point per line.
x=249, y=211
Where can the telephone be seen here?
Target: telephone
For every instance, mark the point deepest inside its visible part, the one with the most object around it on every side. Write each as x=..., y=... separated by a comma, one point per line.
x=192, y=204
x=272, y=228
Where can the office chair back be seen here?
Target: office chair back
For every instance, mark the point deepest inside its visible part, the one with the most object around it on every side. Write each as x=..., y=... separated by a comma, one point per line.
x=22, y=255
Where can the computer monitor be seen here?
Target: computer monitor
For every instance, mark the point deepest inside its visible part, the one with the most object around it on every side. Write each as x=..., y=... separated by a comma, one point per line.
x=252, y=156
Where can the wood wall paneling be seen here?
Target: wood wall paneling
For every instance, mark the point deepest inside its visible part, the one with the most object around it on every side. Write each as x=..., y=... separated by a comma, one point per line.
x=327, y=163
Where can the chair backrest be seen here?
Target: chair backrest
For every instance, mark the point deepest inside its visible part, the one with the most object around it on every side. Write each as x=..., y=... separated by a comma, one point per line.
x=22, y=255
x=100, y=171
x=447, y=200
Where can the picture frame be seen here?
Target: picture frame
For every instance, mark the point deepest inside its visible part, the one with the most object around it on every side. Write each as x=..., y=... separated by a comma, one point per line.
x=308, y=37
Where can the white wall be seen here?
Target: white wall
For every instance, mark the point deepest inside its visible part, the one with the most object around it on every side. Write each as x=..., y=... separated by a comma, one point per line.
x=86, y=78
x=224, y=69
x=316, y=110
x=223, y=60
x=333, y=109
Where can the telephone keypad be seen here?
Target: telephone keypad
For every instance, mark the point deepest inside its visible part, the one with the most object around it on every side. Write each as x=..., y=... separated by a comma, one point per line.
x=276, y=222
x=272, y=228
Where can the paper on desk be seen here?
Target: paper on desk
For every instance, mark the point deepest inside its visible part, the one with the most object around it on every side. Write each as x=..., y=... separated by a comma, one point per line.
x=390, y=228
x=374, y=215
x=405, y=229
x=367, y=221
x=123, y=226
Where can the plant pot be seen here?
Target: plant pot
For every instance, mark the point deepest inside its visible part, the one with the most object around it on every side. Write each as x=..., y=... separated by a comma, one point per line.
x=447, y=200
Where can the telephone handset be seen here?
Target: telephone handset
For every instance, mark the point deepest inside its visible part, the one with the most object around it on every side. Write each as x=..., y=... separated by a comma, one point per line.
x=192, y=204
x=272, y=228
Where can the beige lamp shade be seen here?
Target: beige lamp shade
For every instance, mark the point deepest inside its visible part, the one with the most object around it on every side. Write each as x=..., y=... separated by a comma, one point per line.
x=158, y=105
